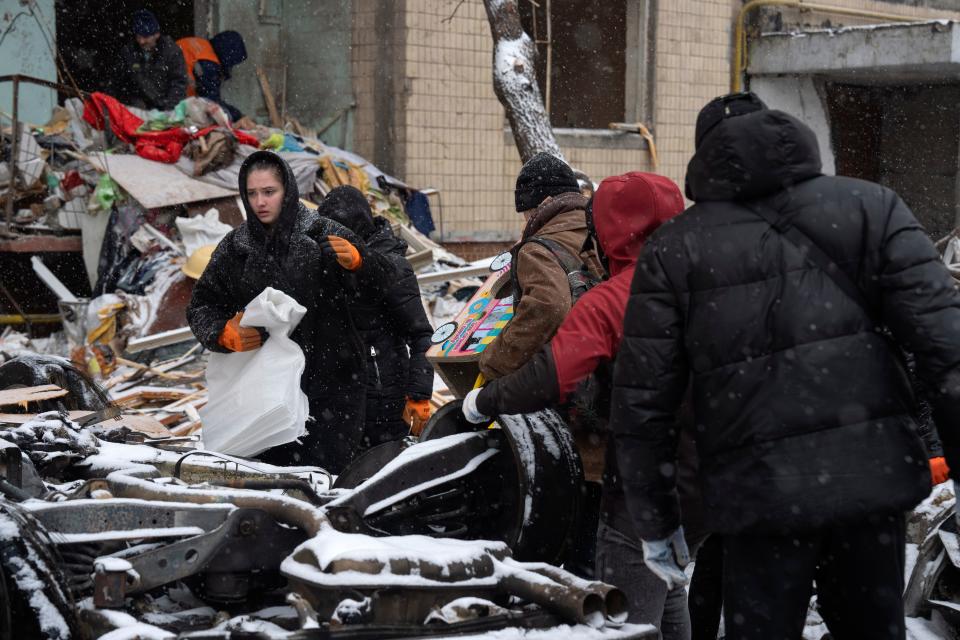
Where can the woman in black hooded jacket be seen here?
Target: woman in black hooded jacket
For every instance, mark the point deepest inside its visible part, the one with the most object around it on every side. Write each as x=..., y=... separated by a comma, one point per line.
x=393, y=326
x=322, y=266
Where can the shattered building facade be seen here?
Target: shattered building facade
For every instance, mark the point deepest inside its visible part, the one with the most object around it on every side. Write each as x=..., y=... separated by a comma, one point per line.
x=407, y=84
x=426, y=106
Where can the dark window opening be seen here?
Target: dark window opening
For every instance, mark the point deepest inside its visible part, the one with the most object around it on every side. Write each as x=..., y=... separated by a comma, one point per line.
x=905, y=138
x=588, y=67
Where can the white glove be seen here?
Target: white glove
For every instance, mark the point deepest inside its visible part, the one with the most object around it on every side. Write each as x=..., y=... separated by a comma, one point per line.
x=956, y=504
x=469, y=408
x=666, y=558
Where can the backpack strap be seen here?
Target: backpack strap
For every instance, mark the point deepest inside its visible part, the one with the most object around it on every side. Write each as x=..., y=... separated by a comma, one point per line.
x=564, y=256
x=578, y=277
x=816, y=255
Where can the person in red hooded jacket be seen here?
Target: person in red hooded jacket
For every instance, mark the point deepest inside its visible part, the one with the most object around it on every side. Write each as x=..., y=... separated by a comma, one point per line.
x=625, y=211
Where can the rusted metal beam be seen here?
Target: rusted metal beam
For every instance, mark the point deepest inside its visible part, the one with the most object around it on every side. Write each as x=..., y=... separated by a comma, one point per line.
x=39, y=244
x=19, y=77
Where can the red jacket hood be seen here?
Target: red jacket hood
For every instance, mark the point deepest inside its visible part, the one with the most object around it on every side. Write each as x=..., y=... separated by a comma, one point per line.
x=627, y=209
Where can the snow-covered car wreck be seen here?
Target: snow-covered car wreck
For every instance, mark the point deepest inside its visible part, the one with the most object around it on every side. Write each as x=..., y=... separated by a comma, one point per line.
x=107, y=533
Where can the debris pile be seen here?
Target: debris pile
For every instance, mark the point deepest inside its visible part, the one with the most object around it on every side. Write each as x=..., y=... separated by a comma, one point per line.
x=147, y=193
x=120, y=532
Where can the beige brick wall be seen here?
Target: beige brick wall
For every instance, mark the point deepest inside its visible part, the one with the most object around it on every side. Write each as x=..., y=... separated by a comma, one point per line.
x=453, y=124
x=363, y=60
x=694, y=44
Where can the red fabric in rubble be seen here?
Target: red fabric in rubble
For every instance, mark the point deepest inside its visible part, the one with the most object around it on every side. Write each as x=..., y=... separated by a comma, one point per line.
x=159, y=146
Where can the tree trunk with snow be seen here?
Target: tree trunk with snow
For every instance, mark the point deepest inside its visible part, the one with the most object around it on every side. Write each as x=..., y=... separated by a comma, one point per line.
x=515, y=81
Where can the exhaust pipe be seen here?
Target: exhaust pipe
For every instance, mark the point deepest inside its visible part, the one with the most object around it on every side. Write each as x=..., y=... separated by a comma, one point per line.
x=616, y=608
x=572, y=603
x=288, y=510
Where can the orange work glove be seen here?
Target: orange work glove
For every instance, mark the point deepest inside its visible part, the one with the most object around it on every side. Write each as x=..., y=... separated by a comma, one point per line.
x=939, y=471
x=416, y=413
x=347, y=255
x=237, y=338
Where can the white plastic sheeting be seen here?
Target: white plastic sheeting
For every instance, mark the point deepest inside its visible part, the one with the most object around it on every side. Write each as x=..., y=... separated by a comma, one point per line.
x=202, y=230
x=255, y=396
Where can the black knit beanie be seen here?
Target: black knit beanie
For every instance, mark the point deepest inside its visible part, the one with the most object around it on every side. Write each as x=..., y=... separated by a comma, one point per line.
x=541, y=176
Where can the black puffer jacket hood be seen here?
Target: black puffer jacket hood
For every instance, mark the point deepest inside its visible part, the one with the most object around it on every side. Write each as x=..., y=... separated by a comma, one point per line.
x=230, y=49
x=277, y=237
x=348, y=206
x=751, y=156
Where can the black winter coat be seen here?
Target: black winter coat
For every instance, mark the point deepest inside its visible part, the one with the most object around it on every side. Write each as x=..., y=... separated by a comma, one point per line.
x=395, y=321
x=803, y=412
x=155, y=82
x=288, y=256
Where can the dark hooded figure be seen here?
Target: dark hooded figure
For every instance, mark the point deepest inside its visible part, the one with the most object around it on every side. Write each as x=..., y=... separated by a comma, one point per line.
x=767, y=298
x=320, y=264
x=209, y=64
x=394, y=327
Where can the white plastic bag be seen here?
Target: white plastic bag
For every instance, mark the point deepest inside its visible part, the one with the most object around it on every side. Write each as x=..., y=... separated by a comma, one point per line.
x=202, y=230
x=255, y=401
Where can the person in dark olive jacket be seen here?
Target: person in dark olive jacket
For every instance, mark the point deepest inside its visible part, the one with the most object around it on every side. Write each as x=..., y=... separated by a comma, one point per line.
x=320, y=264
x=394, y=327
x=548, y=196
x=624, y=212
x=769, y=294
x=150, y=73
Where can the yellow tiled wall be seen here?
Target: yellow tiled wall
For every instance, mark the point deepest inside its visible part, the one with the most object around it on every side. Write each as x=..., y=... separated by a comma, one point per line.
x=363, y=61
x=453, y=124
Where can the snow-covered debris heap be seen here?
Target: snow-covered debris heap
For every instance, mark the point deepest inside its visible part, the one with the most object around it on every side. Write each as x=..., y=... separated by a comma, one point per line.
x=49, y=439
x=106, y=533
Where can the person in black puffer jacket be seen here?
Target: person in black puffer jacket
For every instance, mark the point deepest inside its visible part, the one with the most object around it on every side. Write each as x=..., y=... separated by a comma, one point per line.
x=804, y=416
x=321, y=265
x=394, y=327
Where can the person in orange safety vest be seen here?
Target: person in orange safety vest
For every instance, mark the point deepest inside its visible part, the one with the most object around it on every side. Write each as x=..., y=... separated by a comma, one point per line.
x=209, y=63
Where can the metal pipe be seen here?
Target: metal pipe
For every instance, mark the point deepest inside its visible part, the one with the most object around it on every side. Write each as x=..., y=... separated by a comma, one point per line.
x=14, y=493
x=19, y=77
x=739, y=62
x=290, y=484
x=288, y=510
x=14, y=151
x=614, y=600
x=585, y=607
x=549, y=83
x=30, y=318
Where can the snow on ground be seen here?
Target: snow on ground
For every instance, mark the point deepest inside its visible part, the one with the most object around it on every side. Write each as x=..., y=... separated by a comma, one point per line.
x=138, y=631
x=936, y=629
x=917, y=628
x=565, y=632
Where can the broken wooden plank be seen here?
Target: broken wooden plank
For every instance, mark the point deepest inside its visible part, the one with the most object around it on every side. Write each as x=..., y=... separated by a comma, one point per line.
x=145, y=397
x=420, y=259
x=25, y=395
x=186, y=429
x=159, y=340
x=453, y=274
x=53, y=282
x=268, y=99
x=139, y=396
x=141, y=424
